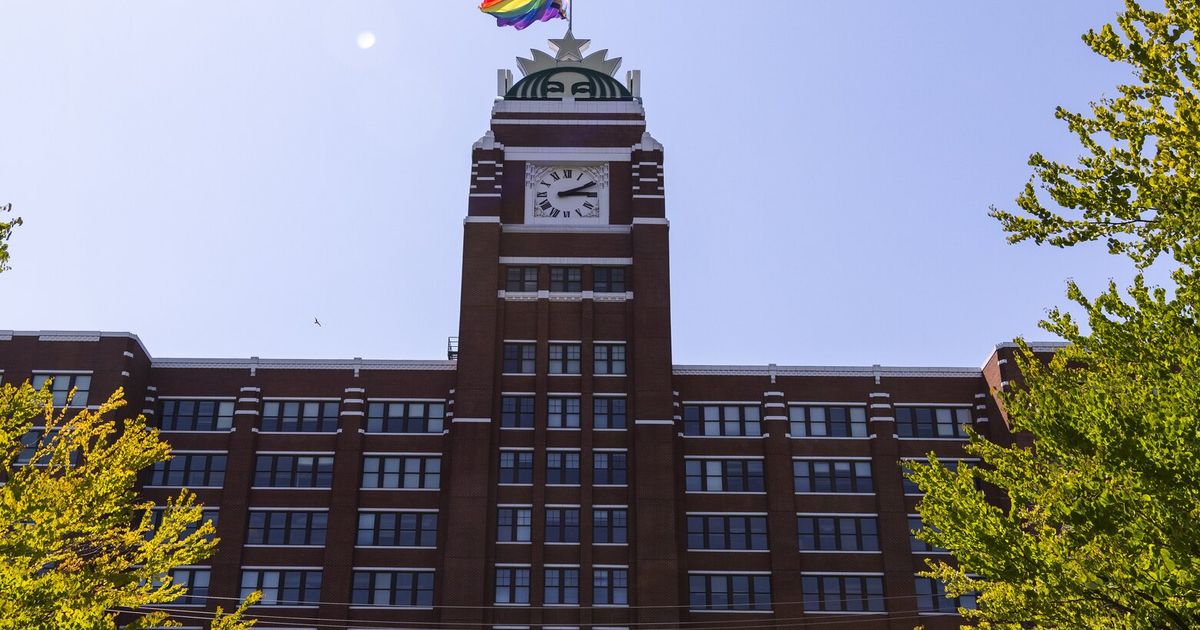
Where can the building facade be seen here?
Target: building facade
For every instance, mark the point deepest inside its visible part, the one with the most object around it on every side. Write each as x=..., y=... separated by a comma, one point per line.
x=557, y=471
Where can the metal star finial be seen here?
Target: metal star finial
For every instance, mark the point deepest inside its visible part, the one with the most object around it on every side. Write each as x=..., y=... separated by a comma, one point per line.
x=569, y=48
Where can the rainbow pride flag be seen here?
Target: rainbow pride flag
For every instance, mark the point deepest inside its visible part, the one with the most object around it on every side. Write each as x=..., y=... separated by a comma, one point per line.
x=522, y=13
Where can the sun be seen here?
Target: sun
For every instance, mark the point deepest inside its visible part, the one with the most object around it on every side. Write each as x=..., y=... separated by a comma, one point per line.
x=366, y=40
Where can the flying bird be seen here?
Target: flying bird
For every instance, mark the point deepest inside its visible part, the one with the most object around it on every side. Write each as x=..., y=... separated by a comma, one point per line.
x=317, y=321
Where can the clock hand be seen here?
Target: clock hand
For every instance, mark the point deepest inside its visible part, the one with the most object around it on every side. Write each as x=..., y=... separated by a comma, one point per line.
x=573, y=191
x=578, y=194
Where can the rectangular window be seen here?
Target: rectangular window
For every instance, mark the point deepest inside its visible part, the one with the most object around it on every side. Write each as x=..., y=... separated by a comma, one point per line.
x=516, y=412
x=410, y=472
x=521, y=280
x=610, y=587
x=293, y=471
x=276, y=527
x=406, y=417
x=563, y=412
x=838, y=593
x=608, y=413
x=844, y=477
x=566, y=279
x=609, y=468
x=724, y=475
x=608, y=358
x=714, y=420
x=610, y=526
x=562, y=525
x=512, y=585
x=931, y=597
x=910, y=486
x=300, y=416
x=918, y=545
x=826, y=421
x=157, y=514
x=932, y=422
x=292, y=587
x=562, y=586
x=47, y=440
x=516, y=467
x=727, y=532
x=838, y=533
x=514, y=524
x=195, y=415
x=609, y=280
x=562, y=468
x=729, y=592
x=397, y=529
x=190, y=470
x=392, y=588
x=565, y=358
x=196, y=580
x=61, y=387
x=520, y=358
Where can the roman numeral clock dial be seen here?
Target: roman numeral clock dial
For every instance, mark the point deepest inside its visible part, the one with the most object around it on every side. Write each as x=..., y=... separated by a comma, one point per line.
x=566, y=194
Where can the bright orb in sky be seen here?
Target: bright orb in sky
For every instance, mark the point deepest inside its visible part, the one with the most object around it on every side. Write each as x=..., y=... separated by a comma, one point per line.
x=366, y=40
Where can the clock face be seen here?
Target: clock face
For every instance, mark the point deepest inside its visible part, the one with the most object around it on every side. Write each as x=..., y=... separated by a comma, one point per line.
x=567, y=194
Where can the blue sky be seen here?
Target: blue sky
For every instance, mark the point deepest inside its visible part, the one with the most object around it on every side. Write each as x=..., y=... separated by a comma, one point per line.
x=212, y=175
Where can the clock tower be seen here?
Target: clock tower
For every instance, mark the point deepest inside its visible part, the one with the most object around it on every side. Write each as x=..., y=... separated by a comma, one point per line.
x=564, y=364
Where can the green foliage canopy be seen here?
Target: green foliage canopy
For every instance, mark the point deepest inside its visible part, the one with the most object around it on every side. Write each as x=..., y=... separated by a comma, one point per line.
x=76, y=541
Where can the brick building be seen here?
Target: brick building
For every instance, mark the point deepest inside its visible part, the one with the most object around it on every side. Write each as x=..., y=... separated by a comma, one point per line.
x=557, y=471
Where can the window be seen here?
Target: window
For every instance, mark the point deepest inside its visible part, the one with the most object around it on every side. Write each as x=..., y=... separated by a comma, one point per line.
x=410, y=472
x=196, y=580
x=157, y=514
x=822, y=421
x=727, y=532
x=300, y=416
x=61, y=387
x=512, y=585
x=931, y=597
x=566, y=279
x=192, y=470
x=397, y=529
x=289, y=587
x=918, y=545
x=932, y=422
x=276, y=527
x=516, y=467
x=562, y=586
x=563, y=412
x=562, y=525
x=392, y=588
x=722, y=420
x=609, y=468
x=195, y=415
x=293, y=471
x=610, y=587
x=838, y=533
x=516, y=412
x=608, y=358
x=565, y=358
x=724, y=475
x=608, y=413
x=820, y=475
x=836, y=593
x=608, y=280
x=521, y=279
x=729, y=592
x=562, y=468
x=48, y=440
x=911, y=488
x=610, y=526
x=514, y=524
x=406, y=417
x=520, y=358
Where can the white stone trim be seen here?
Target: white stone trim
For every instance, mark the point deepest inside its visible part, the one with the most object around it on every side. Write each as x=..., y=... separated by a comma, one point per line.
x=816, y=370
x=521, y=228
x=546, y=260
x=472, y=219
x=571, y=122
x=569, y=154
x=650, y=220
x=302, y=364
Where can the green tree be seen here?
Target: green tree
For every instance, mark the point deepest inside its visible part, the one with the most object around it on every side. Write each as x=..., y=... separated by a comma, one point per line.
x=6, y=228
x=76, y=541
x=1100, y=521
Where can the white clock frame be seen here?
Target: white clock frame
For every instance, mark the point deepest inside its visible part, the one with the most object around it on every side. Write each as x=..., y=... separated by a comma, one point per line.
x=536, y=171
